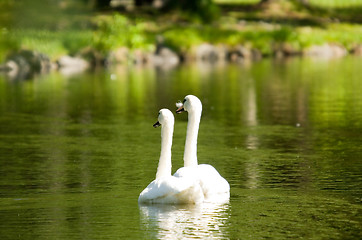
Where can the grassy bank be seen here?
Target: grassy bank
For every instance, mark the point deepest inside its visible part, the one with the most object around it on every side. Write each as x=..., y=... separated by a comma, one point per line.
x=319, y=3
x=110, y=31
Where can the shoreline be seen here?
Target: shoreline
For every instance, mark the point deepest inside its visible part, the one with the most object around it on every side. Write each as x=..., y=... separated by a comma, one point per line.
x=24, y=64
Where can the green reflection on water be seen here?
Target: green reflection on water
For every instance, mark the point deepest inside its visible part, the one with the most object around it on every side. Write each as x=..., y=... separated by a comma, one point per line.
x=77, y=150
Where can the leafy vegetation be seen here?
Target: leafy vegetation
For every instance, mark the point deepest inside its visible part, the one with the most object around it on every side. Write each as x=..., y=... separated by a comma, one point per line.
x=118, y=30
x=255, y=28
x=321, y=3
x=51, y=43
x=7, y=42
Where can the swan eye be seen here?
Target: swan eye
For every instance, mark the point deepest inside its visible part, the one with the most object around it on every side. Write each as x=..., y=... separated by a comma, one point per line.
x=183, y=102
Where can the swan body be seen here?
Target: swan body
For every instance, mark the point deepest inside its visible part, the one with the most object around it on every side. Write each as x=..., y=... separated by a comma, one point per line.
x=168, y=189
x=172, y=190
x=214, y=186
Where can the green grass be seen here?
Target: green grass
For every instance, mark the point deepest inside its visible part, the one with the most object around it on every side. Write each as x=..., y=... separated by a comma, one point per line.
x=345, y=34
x=336, y=3
x=258, y=36
x=52, y=43
x=319, y=3
x=115, y=30
x=236, y=1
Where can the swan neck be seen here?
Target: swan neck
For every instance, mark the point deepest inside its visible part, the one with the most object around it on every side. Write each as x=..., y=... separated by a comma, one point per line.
x=164, y=164
x=190, y=154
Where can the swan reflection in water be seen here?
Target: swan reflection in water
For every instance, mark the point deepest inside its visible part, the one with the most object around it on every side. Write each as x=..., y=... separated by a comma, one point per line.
x=206, y=220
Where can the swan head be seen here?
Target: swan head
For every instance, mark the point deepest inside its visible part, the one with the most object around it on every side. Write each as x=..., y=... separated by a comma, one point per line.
x=191, y=103
x=165, y=117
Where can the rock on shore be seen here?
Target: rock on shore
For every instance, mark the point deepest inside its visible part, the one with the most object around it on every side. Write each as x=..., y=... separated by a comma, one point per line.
x=24, y=64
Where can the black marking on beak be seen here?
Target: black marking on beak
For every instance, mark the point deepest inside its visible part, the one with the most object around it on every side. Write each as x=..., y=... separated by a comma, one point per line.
x=180, y=109
x=157, y=124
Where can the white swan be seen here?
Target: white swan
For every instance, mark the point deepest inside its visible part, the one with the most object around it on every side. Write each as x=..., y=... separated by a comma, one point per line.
x=214, y=186
x=168, y=189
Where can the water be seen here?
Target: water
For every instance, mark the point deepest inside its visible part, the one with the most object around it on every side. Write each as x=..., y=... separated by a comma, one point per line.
x=76, y=151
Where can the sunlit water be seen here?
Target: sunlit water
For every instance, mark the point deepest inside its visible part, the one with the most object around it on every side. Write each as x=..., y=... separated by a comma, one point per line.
x=76, y=151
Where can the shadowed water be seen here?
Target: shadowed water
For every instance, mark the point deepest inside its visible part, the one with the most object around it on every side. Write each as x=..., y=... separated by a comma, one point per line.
x=76, y=151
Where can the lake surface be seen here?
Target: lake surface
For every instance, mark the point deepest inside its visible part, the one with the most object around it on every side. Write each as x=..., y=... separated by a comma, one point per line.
x=76, y=151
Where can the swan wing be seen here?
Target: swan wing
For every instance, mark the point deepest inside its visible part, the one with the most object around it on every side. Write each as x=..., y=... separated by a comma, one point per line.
x=212, y=182
x=187, y=172
x=171, y=190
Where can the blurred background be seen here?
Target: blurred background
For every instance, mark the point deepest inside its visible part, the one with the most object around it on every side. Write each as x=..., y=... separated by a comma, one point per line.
x=81, y=84
x=105, y=32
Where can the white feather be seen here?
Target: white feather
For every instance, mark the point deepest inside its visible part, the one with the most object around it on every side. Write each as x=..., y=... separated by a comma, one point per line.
x=214, y=186
x=168, y=189
x=179, y=104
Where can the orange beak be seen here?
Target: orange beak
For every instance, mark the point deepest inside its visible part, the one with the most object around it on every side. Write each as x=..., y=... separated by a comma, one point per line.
x=180, y=109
